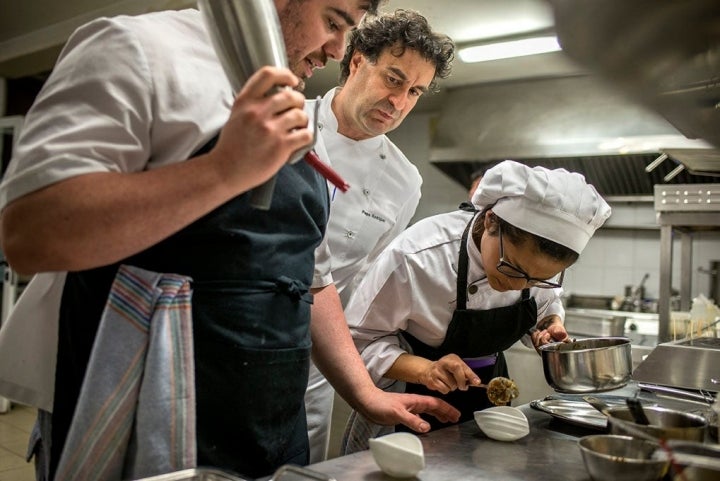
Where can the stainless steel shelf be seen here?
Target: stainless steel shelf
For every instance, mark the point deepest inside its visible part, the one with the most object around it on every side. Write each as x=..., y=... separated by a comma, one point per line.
x=681, y=210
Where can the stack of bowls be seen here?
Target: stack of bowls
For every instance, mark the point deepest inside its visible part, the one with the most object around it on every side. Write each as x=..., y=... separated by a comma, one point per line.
x=622, y=458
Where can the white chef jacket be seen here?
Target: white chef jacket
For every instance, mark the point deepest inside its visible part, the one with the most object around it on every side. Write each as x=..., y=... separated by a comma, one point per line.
x=384, y=193
x=412, y=287
x=164, y=104
x=169, y=97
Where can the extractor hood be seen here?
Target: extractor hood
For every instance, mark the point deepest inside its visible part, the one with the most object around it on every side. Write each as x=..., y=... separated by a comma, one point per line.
x=665, y=54
x=579, y=123
x=648, y=113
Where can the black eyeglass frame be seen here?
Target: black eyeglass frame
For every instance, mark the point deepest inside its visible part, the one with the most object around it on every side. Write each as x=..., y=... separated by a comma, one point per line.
x=507, y=269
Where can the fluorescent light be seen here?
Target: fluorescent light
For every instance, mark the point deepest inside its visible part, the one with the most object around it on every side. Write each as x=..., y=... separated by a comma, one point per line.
x=509, y=49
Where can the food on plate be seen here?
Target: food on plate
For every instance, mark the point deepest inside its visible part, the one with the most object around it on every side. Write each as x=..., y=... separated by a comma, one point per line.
x=501, y=390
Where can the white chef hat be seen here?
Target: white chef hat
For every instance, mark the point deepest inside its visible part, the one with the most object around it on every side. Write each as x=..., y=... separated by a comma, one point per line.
x=555, y=204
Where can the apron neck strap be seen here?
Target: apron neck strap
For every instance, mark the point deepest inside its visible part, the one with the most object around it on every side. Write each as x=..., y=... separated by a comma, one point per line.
x=463, y=268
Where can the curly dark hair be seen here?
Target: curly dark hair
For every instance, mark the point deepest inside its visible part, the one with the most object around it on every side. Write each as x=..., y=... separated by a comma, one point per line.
x=400, y=30
x=372, y=6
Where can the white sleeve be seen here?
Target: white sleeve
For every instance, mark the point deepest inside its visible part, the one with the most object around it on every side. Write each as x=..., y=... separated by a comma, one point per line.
x=549, y=302
x=378, y=310
x=92, y=114
x=322, y=275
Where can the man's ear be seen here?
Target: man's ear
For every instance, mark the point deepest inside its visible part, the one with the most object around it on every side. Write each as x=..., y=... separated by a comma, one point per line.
x=356, y=60
x=490, y=222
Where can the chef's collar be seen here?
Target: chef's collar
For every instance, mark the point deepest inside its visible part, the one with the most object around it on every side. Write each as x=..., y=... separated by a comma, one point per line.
x=329, y=121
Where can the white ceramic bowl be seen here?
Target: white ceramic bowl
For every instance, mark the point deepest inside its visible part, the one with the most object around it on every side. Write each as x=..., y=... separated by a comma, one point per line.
x=398, y=454
x=502, y=423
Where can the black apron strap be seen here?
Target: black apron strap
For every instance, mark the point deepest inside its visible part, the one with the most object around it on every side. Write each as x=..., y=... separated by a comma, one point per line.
x=209, y=145
x=463, y=268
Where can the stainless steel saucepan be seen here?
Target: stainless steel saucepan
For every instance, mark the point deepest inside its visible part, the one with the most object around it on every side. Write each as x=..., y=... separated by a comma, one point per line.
x=588, y=365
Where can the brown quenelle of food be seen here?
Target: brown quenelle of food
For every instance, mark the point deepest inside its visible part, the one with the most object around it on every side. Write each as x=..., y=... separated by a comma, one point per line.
x=501, y=390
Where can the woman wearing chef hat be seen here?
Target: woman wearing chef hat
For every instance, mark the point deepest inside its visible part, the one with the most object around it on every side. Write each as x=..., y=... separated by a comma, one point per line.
x=436, y=310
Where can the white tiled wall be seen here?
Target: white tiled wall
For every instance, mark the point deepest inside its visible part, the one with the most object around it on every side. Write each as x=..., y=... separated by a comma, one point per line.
x=616, y=257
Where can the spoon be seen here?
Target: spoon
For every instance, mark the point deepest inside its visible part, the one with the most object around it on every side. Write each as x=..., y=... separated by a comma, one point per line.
x=500, y=390
x=637, y=411
x=598, y=404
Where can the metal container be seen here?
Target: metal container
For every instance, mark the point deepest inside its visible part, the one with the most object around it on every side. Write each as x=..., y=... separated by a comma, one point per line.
x=246, y=35
x=589, y=365
x=595, y=322
x=620, y=458
x=701, y=461
x=664, y=423
x=285, y=472
x=195, y=474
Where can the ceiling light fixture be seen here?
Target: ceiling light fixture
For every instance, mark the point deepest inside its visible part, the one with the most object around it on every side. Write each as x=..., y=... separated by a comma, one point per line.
x=519, y=47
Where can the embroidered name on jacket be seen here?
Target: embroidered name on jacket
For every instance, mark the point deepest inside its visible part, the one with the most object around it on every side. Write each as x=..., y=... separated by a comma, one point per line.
x=374, y=216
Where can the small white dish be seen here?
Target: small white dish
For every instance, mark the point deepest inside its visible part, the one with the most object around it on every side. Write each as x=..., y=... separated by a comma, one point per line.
x=502, y=423
x=399, y=455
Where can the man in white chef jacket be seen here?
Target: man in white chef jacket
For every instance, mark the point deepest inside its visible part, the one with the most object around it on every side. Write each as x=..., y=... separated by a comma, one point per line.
x=390, y=62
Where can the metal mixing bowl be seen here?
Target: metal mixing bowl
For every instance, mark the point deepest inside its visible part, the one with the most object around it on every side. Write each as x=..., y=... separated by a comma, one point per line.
x=664, y=423
x=589, y=365
x=694, y=471
x=621, y=458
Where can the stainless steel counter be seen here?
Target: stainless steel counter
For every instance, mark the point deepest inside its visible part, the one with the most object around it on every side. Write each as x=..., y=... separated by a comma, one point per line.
x=463, y=452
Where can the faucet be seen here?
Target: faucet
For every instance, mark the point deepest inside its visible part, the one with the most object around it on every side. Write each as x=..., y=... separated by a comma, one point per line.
x=637, y=294
x=634, y=295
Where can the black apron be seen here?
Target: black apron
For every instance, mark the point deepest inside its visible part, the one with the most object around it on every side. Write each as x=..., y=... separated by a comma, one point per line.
x=477, y=336
x=251, y=273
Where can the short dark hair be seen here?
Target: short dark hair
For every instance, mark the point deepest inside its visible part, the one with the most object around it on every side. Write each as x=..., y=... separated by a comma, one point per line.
x=518, y=236
x=400, y=30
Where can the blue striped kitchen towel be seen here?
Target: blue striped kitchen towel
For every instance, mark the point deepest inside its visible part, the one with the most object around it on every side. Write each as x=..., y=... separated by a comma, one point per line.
x=136, y=413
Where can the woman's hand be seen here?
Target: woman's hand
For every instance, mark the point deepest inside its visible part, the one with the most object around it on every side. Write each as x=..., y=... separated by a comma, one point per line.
x=550, y=329
x=448, y=374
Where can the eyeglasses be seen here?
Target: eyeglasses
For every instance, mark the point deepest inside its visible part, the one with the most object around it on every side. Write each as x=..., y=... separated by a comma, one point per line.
x=505, y=268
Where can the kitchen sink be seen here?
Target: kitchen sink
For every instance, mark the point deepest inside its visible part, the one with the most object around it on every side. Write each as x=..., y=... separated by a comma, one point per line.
x=640, y=327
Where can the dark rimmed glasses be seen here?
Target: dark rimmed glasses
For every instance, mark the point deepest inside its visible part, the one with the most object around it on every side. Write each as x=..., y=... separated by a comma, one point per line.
x=505, y=268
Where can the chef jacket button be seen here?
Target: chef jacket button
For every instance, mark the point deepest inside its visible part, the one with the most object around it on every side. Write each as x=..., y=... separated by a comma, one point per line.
x=320, y=126
x=349, y=234
x=366, y=192
x=382, y=156
x=473, y=289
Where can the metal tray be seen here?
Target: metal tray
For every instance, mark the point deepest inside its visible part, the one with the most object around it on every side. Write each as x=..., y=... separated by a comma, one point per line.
x=196, y=474
x=574, y=410
x=286, y=472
